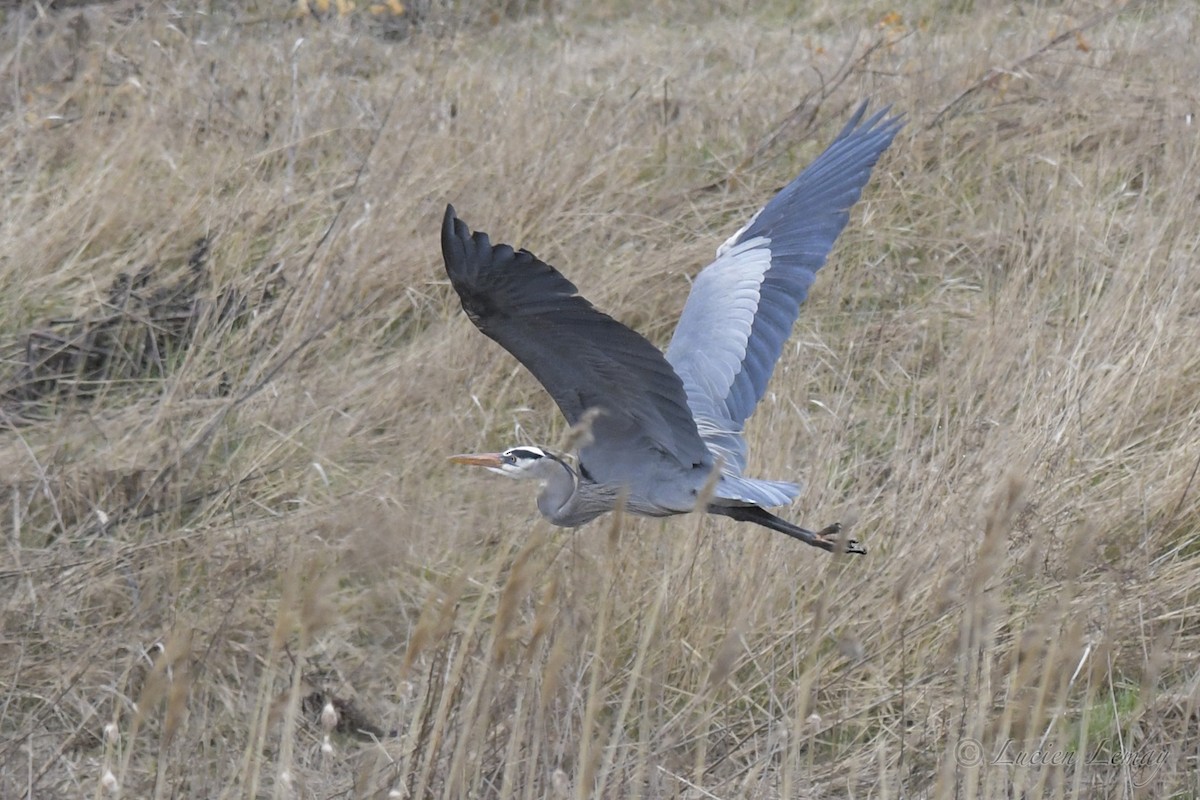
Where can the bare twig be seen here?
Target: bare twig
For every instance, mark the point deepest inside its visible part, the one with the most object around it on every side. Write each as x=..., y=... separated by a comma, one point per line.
x=803, y=114
x=990, y=77
x=823, y=93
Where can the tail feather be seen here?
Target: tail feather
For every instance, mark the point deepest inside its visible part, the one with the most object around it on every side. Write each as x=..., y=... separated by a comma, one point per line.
x=827, y=538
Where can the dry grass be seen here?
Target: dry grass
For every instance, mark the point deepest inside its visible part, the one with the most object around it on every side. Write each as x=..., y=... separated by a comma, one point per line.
x=250, y=571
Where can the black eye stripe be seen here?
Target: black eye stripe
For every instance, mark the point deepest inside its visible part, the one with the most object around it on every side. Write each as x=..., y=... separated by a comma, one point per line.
x=521, y=452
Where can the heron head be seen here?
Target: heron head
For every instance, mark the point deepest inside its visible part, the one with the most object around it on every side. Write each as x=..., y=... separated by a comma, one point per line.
x=524, y=461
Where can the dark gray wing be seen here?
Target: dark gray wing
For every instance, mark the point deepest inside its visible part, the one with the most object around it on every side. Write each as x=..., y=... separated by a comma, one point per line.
x=742, y=306
x=584, y=358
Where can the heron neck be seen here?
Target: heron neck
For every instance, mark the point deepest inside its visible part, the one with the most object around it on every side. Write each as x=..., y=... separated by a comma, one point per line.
x=557, y=491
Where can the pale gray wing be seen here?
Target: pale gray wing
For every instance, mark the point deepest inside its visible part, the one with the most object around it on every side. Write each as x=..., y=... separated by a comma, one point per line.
x=742, y=306
x=584, y=358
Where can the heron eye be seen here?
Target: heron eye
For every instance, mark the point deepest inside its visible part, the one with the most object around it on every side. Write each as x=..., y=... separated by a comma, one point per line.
x=509, y=458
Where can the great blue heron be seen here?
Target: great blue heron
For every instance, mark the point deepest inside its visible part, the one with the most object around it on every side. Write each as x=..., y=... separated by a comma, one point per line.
x=665, y=421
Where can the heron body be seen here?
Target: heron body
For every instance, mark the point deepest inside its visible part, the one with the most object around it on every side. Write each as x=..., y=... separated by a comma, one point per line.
x=664, y=422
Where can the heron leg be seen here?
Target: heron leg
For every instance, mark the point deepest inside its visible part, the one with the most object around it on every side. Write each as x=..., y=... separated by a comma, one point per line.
x=827, y=538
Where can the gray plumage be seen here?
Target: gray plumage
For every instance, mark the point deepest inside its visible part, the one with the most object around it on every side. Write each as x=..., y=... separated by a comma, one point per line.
x=665, y=420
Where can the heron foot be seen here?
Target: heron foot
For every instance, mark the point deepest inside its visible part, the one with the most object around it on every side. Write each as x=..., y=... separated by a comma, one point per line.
x=828, y=538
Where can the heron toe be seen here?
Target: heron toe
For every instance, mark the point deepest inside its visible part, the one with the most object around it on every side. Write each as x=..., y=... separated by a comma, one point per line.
x=830, y=535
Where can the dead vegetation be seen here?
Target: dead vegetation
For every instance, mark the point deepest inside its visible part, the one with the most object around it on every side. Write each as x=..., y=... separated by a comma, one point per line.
x=236, y=563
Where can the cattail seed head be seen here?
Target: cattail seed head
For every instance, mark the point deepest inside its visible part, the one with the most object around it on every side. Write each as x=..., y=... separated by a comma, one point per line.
x=561, y=783
x=109, y=782
x=329, y=717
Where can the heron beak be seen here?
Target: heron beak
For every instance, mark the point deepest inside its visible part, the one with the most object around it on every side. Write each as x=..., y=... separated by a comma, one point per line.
x=491, y=460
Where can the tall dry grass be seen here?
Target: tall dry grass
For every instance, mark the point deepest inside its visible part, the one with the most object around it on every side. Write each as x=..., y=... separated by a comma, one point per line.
x=250, y=571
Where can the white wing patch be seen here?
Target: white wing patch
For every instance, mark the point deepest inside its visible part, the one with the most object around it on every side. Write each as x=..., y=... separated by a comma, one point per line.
x=732, y=241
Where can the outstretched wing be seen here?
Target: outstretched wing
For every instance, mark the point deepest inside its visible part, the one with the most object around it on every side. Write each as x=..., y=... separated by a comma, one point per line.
x=584, y=358
x=742, y=306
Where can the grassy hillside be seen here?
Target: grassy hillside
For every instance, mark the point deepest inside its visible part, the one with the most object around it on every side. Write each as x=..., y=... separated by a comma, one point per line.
x=236, y=562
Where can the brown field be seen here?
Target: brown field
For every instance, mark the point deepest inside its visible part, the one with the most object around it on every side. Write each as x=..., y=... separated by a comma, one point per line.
x=236, y=562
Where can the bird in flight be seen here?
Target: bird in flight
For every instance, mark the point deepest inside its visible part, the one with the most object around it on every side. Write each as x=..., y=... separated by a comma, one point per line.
x=663, y=423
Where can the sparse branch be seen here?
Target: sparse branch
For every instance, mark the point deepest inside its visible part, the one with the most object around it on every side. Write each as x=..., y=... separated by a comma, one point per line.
x=805, y=111
x=989, y=78
x=789, y=120
x=209, y=429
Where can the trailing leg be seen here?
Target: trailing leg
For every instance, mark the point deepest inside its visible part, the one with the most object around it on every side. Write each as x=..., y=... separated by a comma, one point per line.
x=827, y=538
